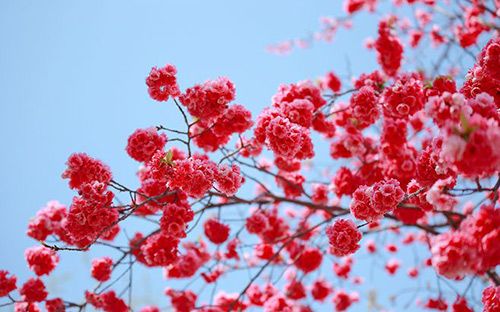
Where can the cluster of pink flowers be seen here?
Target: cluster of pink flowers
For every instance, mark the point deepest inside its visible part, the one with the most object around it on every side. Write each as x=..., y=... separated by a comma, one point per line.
x=471, y=146
x=143, y=143
x=175, y=218
x=194, y=256
x=267, y=224
x=343, y=300
x=209, y=100
x=473, y=27
x=321, y=289
x=372, y=202
x=162, y=83
x=364, y=108
x=301, y=90
x=108, y=301
x=194, y=175
x=33, y=290
x=160, y=250
x=491, y=299
x=48, y=221
x=7, y=283
x=485, y=75
x=345, y=182
x=182, y=301
x=153, y=194
x=430, y=167
x=353, y=6
x=453, y=254
x=216, y=231
x=484, y=228
x=344, y=237
x=55, y=305
x=409, y=141
x=284, y=128
x=320, y=193
x=90, y=214
x=307, y=259
x=404, y=97
x=470, y=249
x=446, y=107
x=438, y=304
x=438, y=198
x=389, y=48
x=332, y=82
x=229, y=179
x=287, y=139
x=41, y=260
x=211, y=136
x=417, y=205
x=291, y=183
x=101, y=268
x=82, y=169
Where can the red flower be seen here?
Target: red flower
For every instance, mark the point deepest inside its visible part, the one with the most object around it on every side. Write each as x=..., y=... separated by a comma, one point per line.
x=162, y=83
x=215, y=231
x=143, y=143
x=41, y=260
x=101, y=269
x=33, y=290
x=344, y=237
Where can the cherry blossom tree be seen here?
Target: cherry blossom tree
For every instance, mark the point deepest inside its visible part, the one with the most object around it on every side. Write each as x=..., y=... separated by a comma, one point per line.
x=414, y=163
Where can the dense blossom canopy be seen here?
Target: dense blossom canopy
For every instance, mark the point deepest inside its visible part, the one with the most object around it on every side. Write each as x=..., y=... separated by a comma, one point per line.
x=399, y=165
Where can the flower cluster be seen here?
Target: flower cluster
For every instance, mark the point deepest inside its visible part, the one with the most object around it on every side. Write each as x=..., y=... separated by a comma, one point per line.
x=194, y=175
x=182, y=301
x=82, y=169
x=208, y=100
x=471, y=248
x=101, y=268
x=216, y=231
x=194, y=256
x=7, y=283
x=229, y=179
x=414, y=156
x=287, y=139
x=284, y=128
x=485, y=75
x=470, y=146
x=175, y=219
x=48, y=221
x=41, y=260
x=343, y=300
x=143, y=143
x=389, y=48
x=33, y=290
x=344, y=238
x=90, y=214
x=108, y=301
x=212, y=135
x=160, y=250
x=162, y=83
x=404, y=97
x=371, y=203
x=364, y=108
x=267, y=224
x=491, y=299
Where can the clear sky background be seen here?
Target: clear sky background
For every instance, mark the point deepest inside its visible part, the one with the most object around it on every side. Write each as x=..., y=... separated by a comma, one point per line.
x=72, y=79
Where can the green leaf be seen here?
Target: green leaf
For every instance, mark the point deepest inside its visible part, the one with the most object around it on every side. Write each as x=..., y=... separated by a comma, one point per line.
x=167, y=159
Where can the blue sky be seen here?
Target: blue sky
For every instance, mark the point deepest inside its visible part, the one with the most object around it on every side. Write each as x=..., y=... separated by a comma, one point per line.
x=72, y=79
